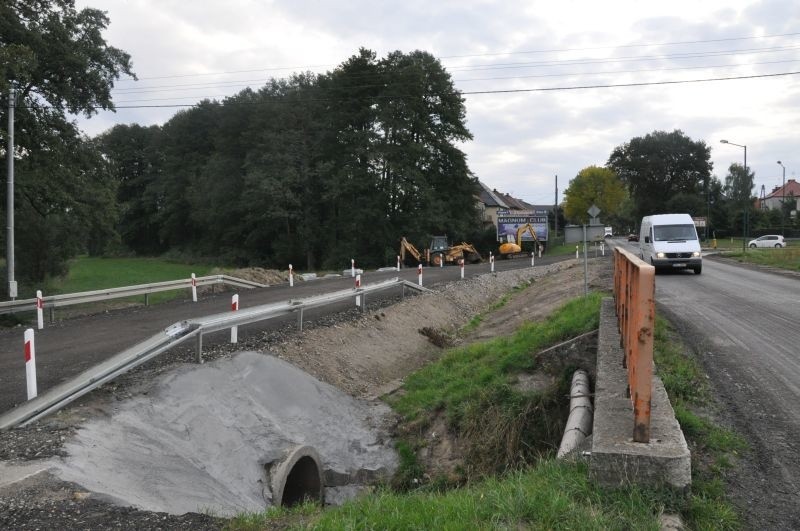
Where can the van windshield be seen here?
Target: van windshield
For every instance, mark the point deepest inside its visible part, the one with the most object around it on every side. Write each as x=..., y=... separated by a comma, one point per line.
x=663, y=233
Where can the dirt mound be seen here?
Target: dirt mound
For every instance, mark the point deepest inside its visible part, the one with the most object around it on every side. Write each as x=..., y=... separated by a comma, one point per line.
x=256, y=274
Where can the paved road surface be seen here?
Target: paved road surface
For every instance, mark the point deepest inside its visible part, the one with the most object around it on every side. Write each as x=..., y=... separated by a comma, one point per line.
x=744, y=324
x=71, y=346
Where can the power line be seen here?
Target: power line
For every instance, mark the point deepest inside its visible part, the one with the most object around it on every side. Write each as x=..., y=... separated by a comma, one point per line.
x=245, y=83
x=490, y=54
x=501, y=91
x=622, y=85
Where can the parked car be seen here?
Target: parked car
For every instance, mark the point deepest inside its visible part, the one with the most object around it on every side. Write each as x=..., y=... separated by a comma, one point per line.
x=633, y=237
x=770, y=240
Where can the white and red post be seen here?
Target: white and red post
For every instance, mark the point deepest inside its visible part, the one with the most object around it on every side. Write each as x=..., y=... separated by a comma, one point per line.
x=540, y=250
x=235, y=328
x=358, y=285
x=532, y=258
x=419, y=274
x=577, y=253
x=30, y=363
x=398, y=262
x=39, y=310
x=194, y=288
x=291, y=276
x=352, y=267
x=491, y=261
x=461, y=263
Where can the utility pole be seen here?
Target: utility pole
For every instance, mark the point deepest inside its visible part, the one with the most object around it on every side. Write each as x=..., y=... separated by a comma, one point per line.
x=555, y=211
x=12, y=284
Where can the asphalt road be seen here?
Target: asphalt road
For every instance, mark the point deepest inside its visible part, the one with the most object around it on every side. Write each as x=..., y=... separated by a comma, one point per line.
x=744, y=325
x=68, y=347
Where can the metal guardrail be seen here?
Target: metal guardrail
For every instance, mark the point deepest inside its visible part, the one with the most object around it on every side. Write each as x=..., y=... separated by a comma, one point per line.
x=634, y=297
x=62, y=394
x=69, y=299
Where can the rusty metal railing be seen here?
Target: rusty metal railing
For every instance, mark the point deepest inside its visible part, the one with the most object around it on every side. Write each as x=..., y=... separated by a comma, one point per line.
x=634, y=296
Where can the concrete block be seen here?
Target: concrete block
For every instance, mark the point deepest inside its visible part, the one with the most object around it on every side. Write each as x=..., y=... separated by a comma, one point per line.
x=615, y=459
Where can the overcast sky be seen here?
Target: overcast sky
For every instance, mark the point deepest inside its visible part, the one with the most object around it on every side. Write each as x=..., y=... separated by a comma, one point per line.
x=186, y=51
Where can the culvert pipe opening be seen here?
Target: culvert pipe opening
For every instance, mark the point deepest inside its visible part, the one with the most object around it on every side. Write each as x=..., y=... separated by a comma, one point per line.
x=296, y=478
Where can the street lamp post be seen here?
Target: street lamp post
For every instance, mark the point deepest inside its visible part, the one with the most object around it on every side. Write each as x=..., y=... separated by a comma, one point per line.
x=744, y=224
x=783, y=200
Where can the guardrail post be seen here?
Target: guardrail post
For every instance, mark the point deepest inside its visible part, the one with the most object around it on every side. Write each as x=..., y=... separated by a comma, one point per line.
x=30, y=364
x=300, y=319
x=39, y=310
x=147, y=299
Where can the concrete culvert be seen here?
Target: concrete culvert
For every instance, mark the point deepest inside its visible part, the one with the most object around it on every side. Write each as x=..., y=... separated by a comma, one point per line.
x=296, y=478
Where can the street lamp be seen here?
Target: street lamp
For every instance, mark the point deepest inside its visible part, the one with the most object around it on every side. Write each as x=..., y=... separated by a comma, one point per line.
x=783, y=198
x=744, y=225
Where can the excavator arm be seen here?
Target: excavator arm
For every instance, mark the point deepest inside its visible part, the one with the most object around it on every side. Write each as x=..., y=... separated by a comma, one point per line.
x=408, y=247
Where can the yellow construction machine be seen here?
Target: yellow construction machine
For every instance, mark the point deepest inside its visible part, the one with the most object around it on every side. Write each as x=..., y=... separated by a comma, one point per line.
x=440, y=251
x=512, y=247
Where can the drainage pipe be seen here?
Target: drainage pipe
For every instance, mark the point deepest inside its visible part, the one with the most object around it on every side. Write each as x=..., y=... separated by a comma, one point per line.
x=579, y=422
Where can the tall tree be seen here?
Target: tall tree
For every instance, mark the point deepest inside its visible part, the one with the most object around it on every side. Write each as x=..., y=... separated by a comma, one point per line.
x=593, y=185
x=661, y=165
x=59, y=63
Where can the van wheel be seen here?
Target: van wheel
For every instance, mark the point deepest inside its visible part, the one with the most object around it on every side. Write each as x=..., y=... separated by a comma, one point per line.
x=698, y=270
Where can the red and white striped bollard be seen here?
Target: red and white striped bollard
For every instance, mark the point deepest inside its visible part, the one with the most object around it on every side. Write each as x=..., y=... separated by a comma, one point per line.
x=532, y=258
x=39, y=309
x=461, y=263
x=194, y=288
x=30, y=364
x=398, y=262
x=419, y=274
x=352, y=267
x=358, y=285
x=235, y=328
x=291, y=276
x=491, y=261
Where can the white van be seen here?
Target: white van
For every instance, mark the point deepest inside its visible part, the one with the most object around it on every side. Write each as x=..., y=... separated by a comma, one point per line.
x=669, y=241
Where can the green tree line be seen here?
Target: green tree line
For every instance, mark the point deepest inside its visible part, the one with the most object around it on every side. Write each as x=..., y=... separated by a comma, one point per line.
x=664, y=172
x=310, y=170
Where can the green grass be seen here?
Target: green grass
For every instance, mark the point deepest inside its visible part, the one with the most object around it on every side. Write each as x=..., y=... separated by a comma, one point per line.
x=786, y=258
x=464, y=374
x=475, y=321
x=551, y=495
x=90, y=273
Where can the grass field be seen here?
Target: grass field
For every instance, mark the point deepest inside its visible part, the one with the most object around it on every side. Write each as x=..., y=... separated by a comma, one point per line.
x=86, y=274
x=786, y=258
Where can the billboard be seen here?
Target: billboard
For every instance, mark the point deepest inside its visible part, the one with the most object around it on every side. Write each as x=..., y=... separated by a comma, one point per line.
x=508, y=223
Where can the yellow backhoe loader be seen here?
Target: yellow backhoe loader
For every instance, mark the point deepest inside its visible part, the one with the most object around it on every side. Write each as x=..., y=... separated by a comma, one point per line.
x=440, y=251
x=512, y=248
